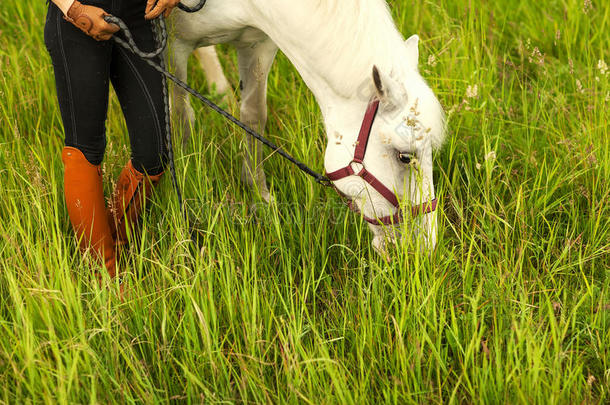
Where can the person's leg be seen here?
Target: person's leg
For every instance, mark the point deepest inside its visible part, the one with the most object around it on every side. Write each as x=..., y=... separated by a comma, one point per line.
x=140, y=91
x=81, y=68
x=84, y=193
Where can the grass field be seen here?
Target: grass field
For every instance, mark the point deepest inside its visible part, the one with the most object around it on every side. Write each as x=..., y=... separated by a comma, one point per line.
x=288, y=303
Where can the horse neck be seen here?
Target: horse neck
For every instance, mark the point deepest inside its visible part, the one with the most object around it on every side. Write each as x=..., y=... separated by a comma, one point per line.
x=338, y=71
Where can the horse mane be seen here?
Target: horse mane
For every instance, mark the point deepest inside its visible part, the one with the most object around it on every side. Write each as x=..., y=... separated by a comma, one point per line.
x=362, y=34
x=367, y=25
x=353, y=36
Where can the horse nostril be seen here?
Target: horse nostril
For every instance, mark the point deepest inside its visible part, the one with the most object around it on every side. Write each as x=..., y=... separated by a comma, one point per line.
x=405, y=157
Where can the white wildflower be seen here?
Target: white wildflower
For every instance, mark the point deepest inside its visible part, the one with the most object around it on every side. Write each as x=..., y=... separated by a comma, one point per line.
x=602, y=66
x=472, y=91
x=536, y=57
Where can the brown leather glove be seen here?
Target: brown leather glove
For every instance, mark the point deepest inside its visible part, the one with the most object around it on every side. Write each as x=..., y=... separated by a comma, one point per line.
x=90, y=20
x=154, y=8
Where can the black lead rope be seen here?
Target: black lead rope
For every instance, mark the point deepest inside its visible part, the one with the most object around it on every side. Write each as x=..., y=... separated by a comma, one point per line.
x=161, y=31
x=192, y=9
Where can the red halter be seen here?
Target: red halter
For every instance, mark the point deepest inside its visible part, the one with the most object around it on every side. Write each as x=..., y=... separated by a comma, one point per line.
x=361, y=145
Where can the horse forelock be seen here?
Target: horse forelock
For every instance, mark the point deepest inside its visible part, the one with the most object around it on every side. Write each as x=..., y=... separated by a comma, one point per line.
x=431, y=107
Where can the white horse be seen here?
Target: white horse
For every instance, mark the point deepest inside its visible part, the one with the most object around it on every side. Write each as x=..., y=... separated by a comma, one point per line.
x=348, y=52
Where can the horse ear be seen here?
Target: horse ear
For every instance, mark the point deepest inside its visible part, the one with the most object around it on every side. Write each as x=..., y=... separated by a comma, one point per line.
x=381, y=91
x=412, y=45
x=387, y=89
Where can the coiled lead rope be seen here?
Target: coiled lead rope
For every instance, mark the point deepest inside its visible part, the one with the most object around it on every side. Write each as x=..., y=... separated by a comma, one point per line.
x=192, y=9
x=161, y=40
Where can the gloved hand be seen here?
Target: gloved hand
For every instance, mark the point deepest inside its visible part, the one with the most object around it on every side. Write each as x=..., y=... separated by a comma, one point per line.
x=154, y=8
x=90, y=20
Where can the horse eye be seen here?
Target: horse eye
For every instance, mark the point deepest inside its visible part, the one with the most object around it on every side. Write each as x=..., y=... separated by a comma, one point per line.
x=405, y=157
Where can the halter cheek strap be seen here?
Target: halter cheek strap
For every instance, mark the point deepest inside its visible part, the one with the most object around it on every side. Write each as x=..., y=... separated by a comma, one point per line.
x=347, y=171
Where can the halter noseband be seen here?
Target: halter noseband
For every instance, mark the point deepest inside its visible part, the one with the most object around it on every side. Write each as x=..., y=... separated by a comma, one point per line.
x=347, y=171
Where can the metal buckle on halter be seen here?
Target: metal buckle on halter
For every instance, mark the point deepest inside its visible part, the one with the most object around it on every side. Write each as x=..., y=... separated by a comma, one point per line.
x=359, y=165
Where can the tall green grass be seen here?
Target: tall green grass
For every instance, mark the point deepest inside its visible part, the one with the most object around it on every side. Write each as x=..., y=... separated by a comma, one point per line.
x=288, y=303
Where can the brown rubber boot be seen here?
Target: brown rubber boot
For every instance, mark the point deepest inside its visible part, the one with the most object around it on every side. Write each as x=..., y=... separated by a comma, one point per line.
x=132, y=191
x=84, y=194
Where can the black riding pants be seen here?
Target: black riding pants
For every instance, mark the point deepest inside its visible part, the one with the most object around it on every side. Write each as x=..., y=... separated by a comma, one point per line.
x=83, y=70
